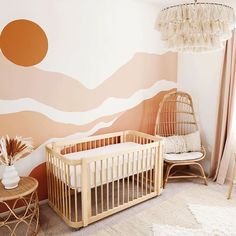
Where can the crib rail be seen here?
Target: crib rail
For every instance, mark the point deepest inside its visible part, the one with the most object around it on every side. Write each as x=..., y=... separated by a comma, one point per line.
x=84, y=191
x=92, y=142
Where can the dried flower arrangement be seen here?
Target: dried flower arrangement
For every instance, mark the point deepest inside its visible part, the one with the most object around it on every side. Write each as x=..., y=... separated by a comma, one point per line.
x=12, y=149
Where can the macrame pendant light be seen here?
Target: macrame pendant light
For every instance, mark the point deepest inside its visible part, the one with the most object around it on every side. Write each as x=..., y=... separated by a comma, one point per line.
x=196, y=27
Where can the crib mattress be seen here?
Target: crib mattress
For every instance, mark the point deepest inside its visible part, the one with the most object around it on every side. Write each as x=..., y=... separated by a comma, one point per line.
x=115, y=167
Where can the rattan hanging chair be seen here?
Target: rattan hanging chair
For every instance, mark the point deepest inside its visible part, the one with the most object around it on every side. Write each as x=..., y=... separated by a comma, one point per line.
x=176, y=117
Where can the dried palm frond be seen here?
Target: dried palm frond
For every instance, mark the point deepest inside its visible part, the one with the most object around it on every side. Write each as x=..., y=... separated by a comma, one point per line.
x=12, y=149
x=3, y=151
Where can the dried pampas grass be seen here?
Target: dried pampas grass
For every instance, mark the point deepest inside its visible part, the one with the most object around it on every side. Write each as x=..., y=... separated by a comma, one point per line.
x=12, y=149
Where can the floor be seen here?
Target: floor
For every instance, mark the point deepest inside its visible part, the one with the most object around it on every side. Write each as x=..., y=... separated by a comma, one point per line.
x=170, y=208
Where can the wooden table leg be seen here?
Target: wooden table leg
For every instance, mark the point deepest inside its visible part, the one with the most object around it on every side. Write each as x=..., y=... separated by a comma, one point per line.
x=24, y=210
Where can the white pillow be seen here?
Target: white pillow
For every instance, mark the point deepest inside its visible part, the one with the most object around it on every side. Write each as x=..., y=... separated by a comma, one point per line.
x=174, y=144
x=193, y=142
x=183, y=143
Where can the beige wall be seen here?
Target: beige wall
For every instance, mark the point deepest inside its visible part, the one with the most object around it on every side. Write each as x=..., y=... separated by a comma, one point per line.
x=200, y=76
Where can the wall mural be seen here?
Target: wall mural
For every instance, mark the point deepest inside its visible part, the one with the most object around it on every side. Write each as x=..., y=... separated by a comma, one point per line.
x=50, y=92
x=23, y=42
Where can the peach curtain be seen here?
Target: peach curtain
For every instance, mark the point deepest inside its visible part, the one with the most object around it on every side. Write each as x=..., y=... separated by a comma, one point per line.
x=225, y=134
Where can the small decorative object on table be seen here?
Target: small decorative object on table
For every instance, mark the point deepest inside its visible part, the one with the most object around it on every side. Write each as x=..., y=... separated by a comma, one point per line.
x=11, y=150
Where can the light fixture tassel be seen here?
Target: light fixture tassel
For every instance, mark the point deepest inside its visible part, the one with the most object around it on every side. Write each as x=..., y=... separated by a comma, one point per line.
x=196, y=27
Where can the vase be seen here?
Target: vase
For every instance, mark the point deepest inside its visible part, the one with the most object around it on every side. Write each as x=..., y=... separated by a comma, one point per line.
x=10, y=178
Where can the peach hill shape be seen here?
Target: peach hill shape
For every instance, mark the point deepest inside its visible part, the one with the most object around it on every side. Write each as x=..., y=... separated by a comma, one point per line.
x=141, y=72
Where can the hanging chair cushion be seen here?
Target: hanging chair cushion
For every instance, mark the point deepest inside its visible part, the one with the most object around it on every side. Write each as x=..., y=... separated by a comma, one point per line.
x=187, y=156
x=193, y=142
x=174, y=144
x=183, y=143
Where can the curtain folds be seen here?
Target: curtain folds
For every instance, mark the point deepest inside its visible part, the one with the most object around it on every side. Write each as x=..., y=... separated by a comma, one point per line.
x=225, y=141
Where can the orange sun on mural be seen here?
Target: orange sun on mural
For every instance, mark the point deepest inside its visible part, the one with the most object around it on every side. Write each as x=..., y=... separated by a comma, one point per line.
x=23, y=42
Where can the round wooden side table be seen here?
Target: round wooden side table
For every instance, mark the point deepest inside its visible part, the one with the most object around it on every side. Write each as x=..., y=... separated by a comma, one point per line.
x=20, y=207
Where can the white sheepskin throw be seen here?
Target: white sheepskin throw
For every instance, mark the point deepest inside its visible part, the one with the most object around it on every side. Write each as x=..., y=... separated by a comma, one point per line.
x=213, y=221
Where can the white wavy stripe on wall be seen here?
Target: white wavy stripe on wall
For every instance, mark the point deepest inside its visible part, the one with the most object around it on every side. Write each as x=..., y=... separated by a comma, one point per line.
x=110, y=106
x=37, y=157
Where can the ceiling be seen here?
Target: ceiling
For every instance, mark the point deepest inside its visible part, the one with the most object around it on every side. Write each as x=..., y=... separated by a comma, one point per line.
x=164, y=3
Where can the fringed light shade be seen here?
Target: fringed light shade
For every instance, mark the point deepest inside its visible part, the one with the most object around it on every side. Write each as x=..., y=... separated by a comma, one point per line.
x=196, y=27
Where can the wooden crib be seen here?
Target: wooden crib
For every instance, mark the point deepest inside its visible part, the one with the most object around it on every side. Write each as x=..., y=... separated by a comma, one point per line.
x=92, y=178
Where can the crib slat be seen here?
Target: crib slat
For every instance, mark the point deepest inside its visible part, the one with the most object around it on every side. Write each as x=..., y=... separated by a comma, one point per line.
x=96, y=188
x=128, y=178
x=146, y=170
x=48, y=164
x=48, y=174
x=137, y=173
x=52, y=184
x=75, y=193
x=133, y=178
x=59, y=185
x=150, y=170
x=123, y=180
x=142, y=173
x=118, y=182
x=53, y=177
x=86, y=201
x=101, y=172
x=55, y=182
x=66, y=196
x=156, y=180
x=112, y=174
x=89, y=189
x=69, y=195
x=107, y=184
x=159, y=169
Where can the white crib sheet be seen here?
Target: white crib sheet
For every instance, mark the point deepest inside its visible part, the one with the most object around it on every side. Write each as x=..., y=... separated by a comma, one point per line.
x=118, y=168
